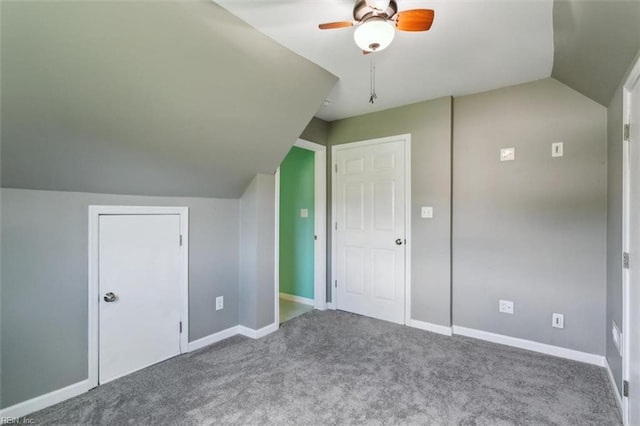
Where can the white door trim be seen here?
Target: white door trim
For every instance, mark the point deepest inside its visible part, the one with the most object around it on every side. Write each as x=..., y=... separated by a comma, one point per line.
x=93, y=289
x=276, y=251
x=320, y=225
x=406, y=138
x=633, y=77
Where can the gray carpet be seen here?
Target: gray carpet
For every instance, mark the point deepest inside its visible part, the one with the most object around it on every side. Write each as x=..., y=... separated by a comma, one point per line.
x=339, y=368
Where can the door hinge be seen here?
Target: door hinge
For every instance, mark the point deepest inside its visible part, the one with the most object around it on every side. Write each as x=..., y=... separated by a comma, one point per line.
x=335, y=167
x=180, y=326
x=335, y=283
x=180, y=239
x=625, y=388
x=336, y=226
x=626, y=132
x=315, y=237
x=625, y=260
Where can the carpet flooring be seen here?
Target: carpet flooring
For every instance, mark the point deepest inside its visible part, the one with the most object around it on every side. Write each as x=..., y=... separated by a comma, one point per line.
x=338, y=368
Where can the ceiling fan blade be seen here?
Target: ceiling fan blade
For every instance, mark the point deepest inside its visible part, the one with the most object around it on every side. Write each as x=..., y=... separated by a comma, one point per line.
x=332, y=25
x=415, y=20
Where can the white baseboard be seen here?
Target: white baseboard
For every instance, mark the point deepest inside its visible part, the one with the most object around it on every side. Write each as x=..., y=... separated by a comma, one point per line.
x=256, y=334
x=331, y=306
x=297, y=299
x=530, y=345
x=213, y=338
x=320, y=306
x=232, y=331
x=43, y=401
x=435, y=328
x=614, y=387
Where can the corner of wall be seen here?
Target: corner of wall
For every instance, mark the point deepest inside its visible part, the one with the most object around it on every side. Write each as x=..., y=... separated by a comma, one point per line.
x=257, y=245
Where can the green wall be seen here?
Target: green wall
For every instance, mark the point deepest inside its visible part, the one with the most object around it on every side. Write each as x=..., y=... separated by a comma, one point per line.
x=296, y=233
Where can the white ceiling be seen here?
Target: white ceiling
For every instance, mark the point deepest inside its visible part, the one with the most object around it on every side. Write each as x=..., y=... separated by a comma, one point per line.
x=473, y=46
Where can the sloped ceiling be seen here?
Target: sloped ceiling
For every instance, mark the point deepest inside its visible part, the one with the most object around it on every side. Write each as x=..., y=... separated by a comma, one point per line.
x=152, y=98
x=473, y=46
x=595, y=42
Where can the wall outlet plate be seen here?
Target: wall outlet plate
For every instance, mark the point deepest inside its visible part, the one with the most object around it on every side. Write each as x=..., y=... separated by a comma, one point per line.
x=557, y=320
x=507, y=154
x=505, y=306
x=219, y=303
x=557, y=149
x=304, y=212
x=426, y=212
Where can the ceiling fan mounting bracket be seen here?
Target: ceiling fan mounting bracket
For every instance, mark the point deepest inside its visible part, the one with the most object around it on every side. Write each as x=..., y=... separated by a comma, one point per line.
x=362, y=11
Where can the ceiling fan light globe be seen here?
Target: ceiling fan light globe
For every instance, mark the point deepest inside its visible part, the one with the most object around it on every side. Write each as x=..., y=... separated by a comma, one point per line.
x=374, y=35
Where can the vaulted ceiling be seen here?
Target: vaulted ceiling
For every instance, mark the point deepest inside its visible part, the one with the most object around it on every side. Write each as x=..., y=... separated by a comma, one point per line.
x=184, y=98
x=595, y=42
x=472, y=46
x=148, y=98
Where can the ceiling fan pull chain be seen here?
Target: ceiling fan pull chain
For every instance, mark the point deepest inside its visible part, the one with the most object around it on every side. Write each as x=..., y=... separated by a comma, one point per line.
x=373, y=96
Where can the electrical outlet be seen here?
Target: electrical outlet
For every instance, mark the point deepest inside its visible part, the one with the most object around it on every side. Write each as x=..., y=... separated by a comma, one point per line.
x=506, y=306
x=219, y=302
x=426, y=212
x=507, y=154
x=557, y=320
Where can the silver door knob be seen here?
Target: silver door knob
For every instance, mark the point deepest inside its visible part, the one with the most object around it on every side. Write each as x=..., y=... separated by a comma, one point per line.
x=399, y=241
x=109, y=297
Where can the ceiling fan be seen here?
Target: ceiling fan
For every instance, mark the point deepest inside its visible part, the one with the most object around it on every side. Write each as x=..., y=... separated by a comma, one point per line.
x=377, y=20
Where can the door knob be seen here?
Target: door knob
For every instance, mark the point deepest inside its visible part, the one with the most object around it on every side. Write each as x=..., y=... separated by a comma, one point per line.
x=399, y=241
x=110, y=297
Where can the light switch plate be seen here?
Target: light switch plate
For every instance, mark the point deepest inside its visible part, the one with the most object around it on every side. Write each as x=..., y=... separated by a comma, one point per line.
x=426, y=212
x=507, y=154
x=557, y=149
x=557, y=320
x=304, y=213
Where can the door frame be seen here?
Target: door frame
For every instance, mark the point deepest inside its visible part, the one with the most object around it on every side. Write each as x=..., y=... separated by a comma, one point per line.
x=627, y=328
x=95, y=211
x=320, y=228
x=406, y=138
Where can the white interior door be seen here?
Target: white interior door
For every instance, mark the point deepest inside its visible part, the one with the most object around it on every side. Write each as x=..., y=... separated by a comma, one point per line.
x=370, y=233
x=139, y=288
x=632, y=278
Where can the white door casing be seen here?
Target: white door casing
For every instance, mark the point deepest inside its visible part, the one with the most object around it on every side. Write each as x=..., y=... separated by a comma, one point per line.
x=140, y=254
x=631, y=245
x=320, y=225
x=370, y=195
x=320, y=247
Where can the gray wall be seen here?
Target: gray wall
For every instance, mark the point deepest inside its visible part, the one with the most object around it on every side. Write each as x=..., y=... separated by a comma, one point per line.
x=44, y=281
x=316, y=131
x=532, y=230
x=430, y=126
x=248, y=255
x=257, y=251
x=594, y=41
